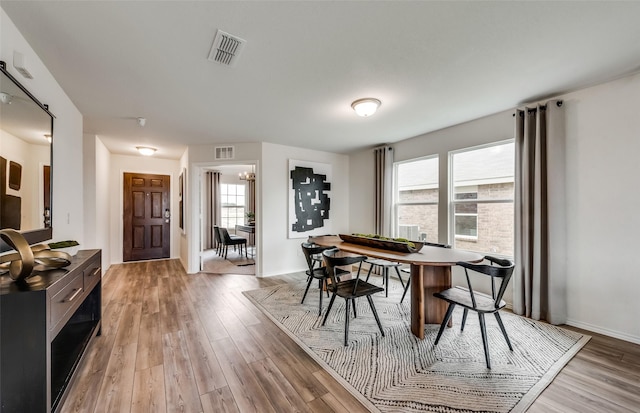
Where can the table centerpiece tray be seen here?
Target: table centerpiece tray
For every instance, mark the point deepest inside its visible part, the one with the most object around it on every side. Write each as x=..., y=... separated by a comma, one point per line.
x=383, y=243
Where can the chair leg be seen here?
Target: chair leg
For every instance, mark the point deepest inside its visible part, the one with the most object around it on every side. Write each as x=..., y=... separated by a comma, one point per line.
x=355, y=315
x=375, y=314
x=399, y=277
x=406, y=288
x=369, y=273
x=385, y=273
x=445, y=321
x=346, y=322
x=485, y=342
x=464, y=318
x=504, y=332
x=320, y=283
x=306, y=290
x=333, y=297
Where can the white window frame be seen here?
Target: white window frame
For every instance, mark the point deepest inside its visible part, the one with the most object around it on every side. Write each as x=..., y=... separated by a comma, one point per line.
x=451, y=190
x=396, y=202
x=223, y=208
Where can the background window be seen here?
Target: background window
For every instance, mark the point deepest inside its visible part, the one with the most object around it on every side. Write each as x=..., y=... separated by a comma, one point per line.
x=233, y=205
x=416, y=199
x=482, y=198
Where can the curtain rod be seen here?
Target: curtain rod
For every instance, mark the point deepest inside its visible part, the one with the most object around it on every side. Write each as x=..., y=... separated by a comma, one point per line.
x=541, y=107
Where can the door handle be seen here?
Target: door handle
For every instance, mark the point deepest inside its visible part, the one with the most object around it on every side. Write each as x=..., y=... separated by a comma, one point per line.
x=167, y=215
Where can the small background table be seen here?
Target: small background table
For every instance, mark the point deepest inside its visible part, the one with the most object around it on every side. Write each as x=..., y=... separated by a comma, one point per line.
x=251, y=230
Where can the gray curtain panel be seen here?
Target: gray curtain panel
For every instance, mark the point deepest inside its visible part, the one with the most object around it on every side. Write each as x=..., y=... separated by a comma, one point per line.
x=213, y=209
x=539, y=280
x=383, y=190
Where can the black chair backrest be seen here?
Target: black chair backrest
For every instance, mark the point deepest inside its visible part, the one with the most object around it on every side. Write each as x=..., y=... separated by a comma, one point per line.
x=216, y=233
x=332, y=261
x=225, y=235
x=310, y=250
x=502, y=269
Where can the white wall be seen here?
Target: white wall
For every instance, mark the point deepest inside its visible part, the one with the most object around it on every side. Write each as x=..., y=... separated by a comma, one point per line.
x=67, y=176
x=97, y=218
x=603, y=205
x=281, y=254
x=147, y=165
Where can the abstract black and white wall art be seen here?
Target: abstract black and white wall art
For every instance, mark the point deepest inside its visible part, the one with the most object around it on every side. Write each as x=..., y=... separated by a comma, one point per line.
x=309, y=198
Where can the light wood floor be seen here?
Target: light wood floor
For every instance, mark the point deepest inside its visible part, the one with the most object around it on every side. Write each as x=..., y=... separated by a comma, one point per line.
x=173, y=342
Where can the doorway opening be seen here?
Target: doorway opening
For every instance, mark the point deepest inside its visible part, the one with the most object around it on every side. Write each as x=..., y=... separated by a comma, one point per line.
x=228, y=194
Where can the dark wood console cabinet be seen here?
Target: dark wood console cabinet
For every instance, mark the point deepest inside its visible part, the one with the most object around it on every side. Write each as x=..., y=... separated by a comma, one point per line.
x=46, y=325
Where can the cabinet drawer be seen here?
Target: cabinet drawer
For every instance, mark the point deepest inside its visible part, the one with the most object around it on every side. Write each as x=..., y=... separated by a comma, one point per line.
x=92, y=275
x=66, y=299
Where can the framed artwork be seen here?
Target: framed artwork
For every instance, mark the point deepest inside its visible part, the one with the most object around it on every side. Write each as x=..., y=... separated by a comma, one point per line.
x=181, y=197
x=309, y=198
x=15, y=175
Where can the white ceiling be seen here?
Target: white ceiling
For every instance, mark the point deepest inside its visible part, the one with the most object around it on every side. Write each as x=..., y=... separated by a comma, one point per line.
x=432, y=64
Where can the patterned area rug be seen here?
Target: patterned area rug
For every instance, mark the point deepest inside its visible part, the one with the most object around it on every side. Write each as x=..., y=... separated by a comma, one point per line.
x=400, y=373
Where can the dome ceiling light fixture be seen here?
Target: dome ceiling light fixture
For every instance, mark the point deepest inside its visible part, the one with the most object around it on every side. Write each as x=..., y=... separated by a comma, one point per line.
x=366, y=107
x=146, y=150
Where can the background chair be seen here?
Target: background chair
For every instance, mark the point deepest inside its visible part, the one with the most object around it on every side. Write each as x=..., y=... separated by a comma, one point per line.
x=348, y=289
x=478, y=302
x=216, y=233
x=384, y=265
x=232, y=240
x=408, y=271
x=311, y=251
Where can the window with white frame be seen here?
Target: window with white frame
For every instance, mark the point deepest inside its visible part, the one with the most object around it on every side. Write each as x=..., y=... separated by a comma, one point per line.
x=232, y=198
x=481, y=198
x=416, y=199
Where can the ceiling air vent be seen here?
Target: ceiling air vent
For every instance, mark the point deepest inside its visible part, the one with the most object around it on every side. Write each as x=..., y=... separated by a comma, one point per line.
x=224, y=152
x=226, y=48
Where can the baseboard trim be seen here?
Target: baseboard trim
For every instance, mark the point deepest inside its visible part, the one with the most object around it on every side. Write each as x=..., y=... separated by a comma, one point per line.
x=605, y=331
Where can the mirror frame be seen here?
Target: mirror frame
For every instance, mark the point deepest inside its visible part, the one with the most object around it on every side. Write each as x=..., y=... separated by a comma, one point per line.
x=42, y=234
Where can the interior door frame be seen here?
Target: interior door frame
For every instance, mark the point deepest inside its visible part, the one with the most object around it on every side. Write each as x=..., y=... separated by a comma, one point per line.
x=196, y=210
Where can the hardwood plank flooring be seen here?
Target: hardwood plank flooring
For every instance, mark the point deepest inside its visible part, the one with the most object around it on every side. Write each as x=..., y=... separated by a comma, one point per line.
x=173, y=342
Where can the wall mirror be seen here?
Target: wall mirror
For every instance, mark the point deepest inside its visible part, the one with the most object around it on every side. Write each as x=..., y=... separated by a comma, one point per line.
x=26, y=133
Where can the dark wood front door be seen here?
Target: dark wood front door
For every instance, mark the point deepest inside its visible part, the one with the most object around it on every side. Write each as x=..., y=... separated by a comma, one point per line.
x=146, y=217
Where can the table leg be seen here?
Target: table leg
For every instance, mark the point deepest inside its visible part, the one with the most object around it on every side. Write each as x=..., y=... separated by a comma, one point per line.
x=417, y=301
x=425, y=308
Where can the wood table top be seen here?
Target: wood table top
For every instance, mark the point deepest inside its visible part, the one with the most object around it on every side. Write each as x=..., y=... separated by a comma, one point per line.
x=428, y=255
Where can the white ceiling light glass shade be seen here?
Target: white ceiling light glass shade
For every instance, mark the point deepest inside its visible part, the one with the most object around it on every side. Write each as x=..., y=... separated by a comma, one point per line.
x=146, y=150
x=366, y=107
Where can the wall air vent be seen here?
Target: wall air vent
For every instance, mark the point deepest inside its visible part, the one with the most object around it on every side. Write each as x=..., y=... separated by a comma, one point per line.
x=224, y=152
x=226, y=48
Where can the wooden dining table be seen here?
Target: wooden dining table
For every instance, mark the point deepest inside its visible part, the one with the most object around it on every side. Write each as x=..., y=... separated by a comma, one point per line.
x=430, y=273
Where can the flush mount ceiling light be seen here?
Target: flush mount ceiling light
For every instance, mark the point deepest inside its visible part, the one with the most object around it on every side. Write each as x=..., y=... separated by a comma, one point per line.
x=146, y=150
x=366, y=107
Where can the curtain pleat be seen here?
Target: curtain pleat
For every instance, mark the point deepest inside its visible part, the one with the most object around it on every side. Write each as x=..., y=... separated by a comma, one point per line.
x=212, y=207
x=539, y=280
x=383, y=186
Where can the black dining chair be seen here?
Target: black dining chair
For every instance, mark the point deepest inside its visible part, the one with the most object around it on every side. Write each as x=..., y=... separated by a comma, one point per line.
x=232, y=240
x=479, y=302
x=408, y=270
x=218, y=240
x=349, y=289
x=311, y=251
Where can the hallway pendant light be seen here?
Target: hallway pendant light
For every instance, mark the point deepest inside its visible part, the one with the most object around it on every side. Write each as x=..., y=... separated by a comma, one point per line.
x=366, y=107
x=146, y=150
